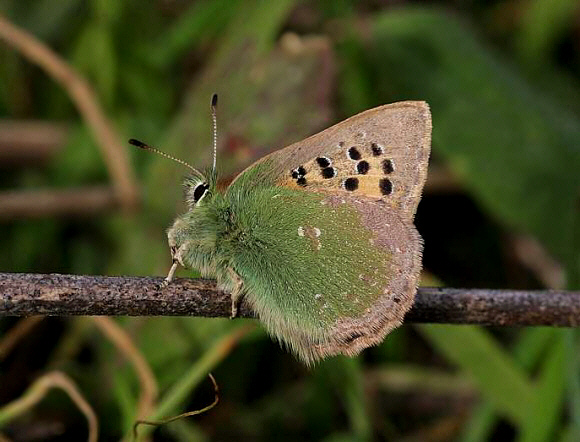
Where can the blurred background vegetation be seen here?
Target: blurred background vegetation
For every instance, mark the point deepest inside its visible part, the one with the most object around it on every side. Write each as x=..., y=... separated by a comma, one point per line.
x=501, y=209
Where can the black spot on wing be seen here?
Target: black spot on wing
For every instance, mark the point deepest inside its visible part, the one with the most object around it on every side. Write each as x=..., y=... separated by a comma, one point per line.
x=386, y=186
x=353, y=153
x=323, y=162
x=328, y=172
x=388, y=167
x=298, y=175
x=362, y=167
x=377, y=150
x=350, y=184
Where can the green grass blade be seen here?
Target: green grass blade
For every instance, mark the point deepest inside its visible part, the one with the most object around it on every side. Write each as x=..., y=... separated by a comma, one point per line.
x=480, y=423
x=544, y=411
x=527, y=351
x=574, y=380
x=346, y=377
x=493, y=370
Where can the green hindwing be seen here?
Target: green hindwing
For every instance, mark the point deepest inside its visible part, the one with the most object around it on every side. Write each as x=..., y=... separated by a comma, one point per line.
x=317, y=266
x=298, y=255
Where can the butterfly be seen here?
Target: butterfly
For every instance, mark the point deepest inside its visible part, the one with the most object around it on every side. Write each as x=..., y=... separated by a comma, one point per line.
x=317, y=237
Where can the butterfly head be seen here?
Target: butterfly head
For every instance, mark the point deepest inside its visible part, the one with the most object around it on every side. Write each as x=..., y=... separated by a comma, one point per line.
x=193, y=234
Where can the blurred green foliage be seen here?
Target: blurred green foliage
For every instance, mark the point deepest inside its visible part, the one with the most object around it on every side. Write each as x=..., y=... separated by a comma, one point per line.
x=502, y=80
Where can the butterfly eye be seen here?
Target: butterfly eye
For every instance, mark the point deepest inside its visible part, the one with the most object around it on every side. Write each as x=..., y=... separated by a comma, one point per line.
x=199, y=192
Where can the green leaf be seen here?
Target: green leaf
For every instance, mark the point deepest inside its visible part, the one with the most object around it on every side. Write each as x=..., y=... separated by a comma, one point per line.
x=124, y=397
x=480, y=423
x=250, y=37
x=95, y=56
x=346, y=376
x=531, y=346
x=33, y=17
x=203, y=20
x=573, y=373
x=541, y=24
x=544, y=411
x=527, y=351
x=499, y=379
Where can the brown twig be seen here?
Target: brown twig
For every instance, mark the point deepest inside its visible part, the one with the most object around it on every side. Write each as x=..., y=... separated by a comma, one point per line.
x=38, y=390
x=157, y=423
x=85, y=99
x=81, y=202
x=24, y=294
x=30, y=142
x=530, y=252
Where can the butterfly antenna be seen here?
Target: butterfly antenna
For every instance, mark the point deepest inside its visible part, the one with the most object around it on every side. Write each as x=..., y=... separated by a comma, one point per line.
x=142, y=145
x=214, y=99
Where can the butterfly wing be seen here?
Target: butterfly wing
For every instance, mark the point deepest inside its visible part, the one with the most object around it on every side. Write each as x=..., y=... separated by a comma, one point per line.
x=381, y=153
x=329, y=269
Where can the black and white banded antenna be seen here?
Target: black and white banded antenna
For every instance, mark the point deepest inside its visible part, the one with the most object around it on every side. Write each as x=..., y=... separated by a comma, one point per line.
x=144, y=146
x=214, y=100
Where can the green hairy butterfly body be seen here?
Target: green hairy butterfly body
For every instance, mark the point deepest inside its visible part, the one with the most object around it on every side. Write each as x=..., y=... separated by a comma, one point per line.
x=318, y=237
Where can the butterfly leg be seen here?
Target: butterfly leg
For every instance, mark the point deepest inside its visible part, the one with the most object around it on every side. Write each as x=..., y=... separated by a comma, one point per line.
x=237, y=292
x=169, y=277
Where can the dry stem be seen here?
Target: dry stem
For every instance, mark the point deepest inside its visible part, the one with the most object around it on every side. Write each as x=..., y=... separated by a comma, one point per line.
x=85, y=99
x=38, y=294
